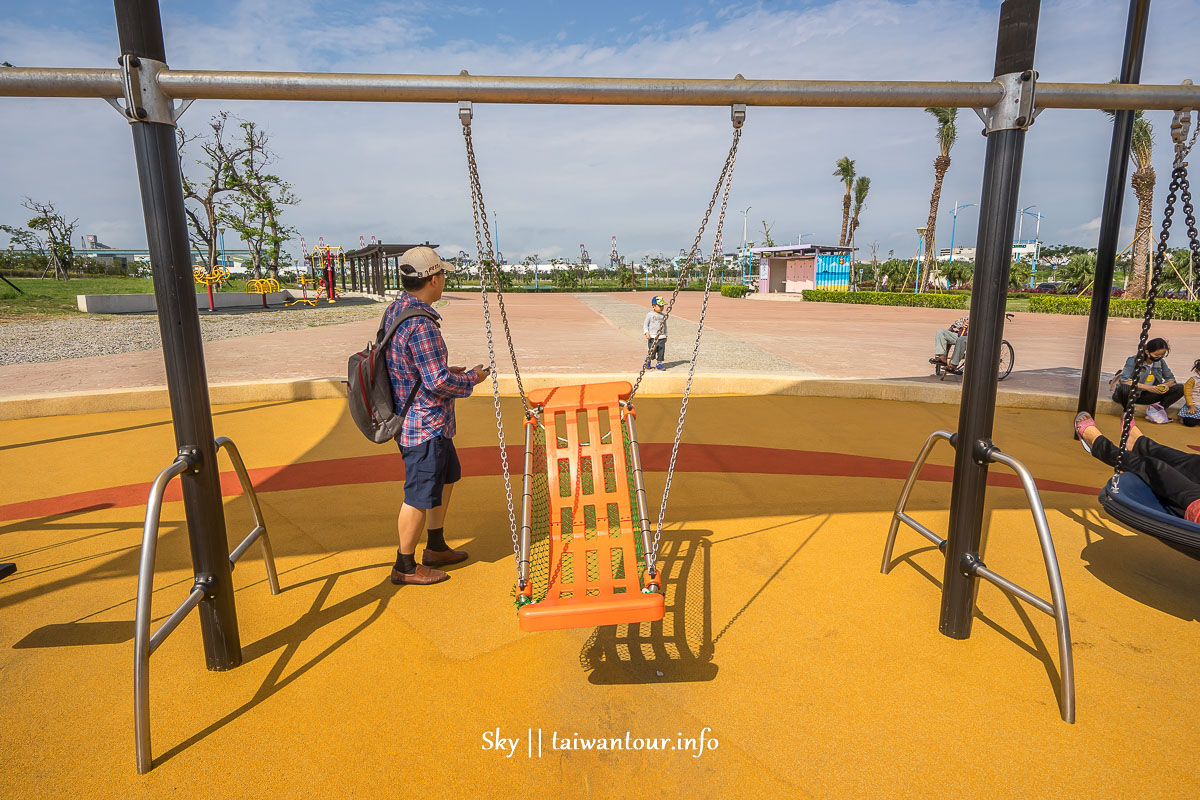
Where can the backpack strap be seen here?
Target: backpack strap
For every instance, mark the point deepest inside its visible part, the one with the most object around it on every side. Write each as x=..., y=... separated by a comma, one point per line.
x=384, y=337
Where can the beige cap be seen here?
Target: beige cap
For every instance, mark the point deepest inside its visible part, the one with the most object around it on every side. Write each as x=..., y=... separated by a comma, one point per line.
x=421, y=262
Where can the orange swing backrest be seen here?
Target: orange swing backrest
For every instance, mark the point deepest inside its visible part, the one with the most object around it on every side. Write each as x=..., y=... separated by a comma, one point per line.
x=593, y=563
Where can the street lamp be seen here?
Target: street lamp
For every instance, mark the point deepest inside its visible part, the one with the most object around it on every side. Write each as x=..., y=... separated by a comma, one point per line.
x=800, y=238
x=954, y=223
x=1024, y=212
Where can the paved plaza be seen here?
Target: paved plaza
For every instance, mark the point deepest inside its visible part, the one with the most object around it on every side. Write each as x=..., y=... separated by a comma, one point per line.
x=586, y=334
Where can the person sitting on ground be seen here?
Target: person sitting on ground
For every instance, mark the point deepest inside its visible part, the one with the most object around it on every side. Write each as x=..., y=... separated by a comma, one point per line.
x=1189, y=413
x=1172, y=475
x=655, y=329
x=955, y=336
x=417, y=365
x=1157, y=388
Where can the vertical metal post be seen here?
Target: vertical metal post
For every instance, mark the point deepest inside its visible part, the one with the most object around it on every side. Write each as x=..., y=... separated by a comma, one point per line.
x=139, y=29
x=1110, y=215
x=997, y=213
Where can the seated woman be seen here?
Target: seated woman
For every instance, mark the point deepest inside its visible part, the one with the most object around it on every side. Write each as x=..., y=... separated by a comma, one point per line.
x=1157, y=388
x=955, y=336
x=1189, y=413
x=1172, y=475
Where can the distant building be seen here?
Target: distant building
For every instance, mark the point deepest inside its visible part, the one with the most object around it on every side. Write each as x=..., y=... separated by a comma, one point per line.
x=90, y=242
x=1021, y=251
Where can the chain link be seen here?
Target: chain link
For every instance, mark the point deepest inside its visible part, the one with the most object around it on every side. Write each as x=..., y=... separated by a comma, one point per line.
x=487, y=267
x=723, y=186
x=1179, y=187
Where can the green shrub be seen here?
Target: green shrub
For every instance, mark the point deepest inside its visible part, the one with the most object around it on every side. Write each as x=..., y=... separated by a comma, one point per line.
x=888, y=298
x=1166, y=308
x=734, y=291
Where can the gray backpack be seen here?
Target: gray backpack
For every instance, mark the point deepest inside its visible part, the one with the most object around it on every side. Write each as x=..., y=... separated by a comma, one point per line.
x=369, y=386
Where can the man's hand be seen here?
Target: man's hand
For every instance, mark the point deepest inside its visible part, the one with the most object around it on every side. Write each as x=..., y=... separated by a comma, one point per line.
x=457, y=370
x=481, y=373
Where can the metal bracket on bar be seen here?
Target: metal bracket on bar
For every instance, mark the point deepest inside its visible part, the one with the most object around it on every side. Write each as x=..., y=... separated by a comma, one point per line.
x=144, y=100
x=145, y=643
x=973, y=565
x=1016, y=109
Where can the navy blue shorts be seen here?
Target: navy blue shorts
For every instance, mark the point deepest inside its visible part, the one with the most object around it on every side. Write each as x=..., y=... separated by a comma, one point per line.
x=428, y=467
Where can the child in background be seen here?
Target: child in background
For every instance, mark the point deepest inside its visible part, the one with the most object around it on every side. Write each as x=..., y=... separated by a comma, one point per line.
x=1189, y=415
x=655, y=329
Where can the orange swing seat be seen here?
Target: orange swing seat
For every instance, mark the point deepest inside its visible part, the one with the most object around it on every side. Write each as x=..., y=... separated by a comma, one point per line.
x=592, y=540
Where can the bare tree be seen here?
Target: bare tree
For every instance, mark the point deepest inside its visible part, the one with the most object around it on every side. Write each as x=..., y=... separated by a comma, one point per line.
x=258, y=201
x=205, y=198
x=49, y=233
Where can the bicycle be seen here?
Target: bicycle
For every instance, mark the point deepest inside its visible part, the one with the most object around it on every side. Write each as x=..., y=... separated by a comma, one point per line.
x=1007, y=358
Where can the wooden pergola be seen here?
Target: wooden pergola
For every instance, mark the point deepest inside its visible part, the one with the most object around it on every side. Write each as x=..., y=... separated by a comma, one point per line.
x=375, y=268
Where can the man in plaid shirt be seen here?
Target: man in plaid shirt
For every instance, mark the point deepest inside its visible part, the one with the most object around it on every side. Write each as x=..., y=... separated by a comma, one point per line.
x=418, y=366
x=955, y=336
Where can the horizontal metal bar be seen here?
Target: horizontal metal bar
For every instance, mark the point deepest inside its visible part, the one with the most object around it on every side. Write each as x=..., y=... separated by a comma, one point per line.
x=177, y=617
x=921, y=529
x=241, y=549
x=366, y=87
x=1008, y=586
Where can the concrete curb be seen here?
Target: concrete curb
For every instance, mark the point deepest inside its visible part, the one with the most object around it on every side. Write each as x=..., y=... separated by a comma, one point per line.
x=654, y=385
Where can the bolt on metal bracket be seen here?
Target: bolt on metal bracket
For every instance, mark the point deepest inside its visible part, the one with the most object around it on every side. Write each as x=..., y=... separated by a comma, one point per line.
x=1016, y=109
x=144, y=100
x=737, y=113
x=465, y=111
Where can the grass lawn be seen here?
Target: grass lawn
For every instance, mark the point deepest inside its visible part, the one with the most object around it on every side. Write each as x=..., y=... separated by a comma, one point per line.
x=46, y=296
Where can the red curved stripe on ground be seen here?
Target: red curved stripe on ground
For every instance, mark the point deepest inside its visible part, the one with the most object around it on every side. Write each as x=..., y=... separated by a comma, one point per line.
x=484, y=461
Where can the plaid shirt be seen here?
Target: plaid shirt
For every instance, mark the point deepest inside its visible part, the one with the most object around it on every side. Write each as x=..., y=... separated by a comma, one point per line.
x=960, y=326
x=418, y=348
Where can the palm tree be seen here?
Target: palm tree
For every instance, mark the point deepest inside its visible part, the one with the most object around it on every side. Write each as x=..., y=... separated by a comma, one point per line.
x=862, y=185
x=1141, y=148
x=946, y=135
x=845, y=171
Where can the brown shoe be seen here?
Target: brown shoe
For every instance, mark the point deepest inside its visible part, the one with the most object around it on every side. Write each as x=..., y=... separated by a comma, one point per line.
x=421, y=576
x=440, y=558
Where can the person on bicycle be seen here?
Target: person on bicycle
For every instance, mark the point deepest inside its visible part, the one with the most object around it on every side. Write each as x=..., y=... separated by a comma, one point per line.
x=955, y=336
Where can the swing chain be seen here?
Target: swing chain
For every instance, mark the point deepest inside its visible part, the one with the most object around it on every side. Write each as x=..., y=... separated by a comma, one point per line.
x=487, y=264
x=1178, y=178
x=691, y=256
x=726, y=181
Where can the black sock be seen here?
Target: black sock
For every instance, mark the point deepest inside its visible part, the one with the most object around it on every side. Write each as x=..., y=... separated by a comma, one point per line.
x=437, y=542
x=406, y=562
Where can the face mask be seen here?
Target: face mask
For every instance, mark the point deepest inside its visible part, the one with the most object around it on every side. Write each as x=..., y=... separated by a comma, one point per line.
x=1156, y=358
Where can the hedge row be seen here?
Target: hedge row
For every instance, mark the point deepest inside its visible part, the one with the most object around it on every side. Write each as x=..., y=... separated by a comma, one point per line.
x=1165, y=308
x=888, y=298
x=735, y=290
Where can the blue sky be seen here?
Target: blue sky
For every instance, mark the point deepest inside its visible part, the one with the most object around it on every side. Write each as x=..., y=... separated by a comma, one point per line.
x=558, y=176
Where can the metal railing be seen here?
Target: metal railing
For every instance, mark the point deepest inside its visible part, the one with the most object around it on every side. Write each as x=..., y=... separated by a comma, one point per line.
x=1056, y=608
x=406, y=88
x=145, y=642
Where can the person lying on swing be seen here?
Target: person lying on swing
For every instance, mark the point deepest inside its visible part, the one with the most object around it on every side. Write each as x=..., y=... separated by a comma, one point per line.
x=1157, y=388
x=1172, y=475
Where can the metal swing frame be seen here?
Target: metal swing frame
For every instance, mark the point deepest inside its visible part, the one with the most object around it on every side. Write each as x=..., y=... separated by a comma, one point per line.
x=972, y=564
x=155, y=95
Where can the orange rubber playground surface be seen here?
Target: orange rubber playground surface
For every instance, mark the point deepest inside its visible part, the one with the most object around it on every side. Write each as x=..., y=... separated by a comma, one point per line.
x=786, y=665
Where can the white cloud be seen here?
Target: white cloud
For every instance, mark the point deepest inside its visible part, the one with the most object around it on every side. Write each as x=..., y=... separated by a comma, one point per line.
x=558, y=176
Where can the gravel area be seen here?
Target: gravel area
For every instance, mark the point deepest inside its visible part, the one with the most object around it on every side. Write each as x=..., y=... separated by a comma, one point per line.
x=85, y=336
